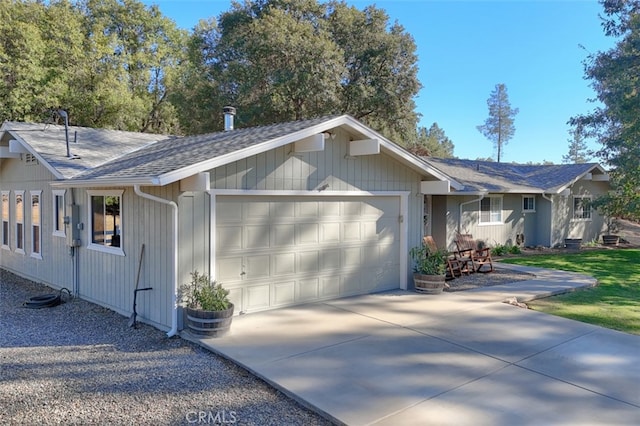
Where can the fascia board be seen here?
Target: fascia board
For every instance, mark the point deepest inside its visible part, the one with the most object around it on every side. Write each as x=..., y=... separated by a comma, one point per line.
x=102, y=183
x=33, y=152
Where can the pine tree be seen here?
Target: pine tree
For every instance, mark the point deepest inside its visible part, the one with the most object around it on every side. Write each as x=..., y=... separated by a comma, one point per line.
x=499, y=127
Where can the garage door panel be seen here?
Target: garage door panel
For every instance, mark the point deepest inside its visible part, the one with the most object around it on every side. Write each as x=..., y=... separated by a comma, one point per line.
x=307, y=290
x=308, y=261
x=289, y=250
x=256, y=297
x=229, y=212
x=229, y=269
x=330, y=232
x=331, y=259
x=284, y=263
x=256, y=237
x=307, y=233
x=256, y=210
x=282, y=209
x=330, y=286
x=284, y=293
x=257, y=267
x=229, y=237
x=283, y=235
x=308, y=209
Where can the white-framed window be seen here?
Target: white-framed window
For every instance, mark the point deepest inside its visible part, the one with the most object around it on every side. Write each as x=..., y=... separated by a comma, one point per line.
x=19, y=203
x=105, y=221
x=59, y=212
x=6, y=217
x=528, y=204
x=36, y=224
x=581, y=208
x=491, y=210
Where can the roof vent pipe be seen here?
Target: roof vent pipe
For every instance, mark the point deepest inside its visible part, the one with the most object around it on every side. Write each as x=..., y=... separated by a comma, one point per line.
x=229, y=112
x=62, y=113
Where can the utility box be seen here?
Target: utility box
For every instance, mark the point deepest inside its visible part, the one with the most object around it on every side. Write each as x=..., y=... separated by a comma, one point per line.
x=74, y=226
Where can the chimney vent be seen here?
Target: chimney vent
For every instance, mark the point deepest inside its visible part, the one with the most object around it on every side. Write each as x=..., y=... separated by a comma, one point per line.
x=229, y=112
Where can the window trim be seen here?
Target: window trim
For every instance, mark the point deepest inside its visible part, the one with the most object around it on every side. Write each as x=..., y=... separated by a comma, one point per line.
x=533, y=198
x=6, y=236
x=491, y=211
x=19, y=235
x=573, y=209
x=100, y=247
x=59, y=193
x=36, y=254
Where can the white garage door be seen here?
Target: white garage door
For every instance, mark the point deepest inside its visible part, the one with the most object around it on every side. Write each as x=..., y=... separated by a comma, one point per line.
x=278, y=251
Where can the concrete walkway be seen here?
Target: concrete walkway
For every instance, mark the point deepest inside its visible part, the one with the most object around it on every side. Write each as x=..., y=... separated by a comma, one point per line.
x=463, y=358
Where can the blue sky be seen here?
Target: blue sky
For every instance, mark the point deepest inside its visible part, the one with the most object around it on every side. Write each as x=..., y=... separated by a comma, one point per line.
x=467, y=47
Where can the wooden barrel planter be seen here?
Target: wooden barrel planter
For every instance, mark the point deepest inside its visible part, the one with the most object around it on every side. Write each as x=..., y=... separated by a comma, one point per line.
x=428, y=284
x=573, y=243
x=209, y=323
x=610, y=240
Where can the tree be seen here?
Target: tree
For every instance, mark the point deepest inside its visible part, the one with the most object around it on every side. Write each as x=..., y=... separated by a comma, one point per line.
x=578, y=151
x=616, y=124
x=432, y=142
x=499, y=127
x=280, y=60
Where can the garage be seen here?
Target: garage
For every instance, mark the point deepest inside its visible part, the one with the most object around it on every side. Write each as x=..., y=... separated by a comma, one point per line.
x=273, y=250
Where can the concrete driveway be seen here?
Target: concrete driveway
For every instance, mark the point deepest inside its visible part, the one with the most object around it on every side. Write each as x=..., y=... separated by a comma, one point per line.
x=400, y=358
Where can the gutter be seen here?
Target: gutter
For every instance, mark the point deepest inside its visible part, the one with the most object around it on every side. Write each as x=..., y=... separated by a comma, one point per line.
x=475, y=200
x=174, y=296
x=544, y=195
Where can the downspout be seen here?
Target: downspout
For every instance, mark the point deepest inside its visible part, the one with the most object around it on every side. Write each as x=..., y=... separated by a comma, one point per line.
x=174, y=296
x=475, y=200
x=551, y=218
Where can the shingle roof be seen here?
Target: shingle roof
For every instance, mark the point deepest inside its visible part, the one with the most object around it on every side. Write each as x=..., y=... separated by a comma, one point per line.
x=174, y=154
x=488, y=176
x=92, y=147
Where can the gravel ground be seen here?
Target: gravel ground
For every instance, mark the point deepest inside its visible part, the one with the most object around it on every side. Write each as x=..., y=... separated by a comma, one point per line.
x=482, y=279
x=78, y=363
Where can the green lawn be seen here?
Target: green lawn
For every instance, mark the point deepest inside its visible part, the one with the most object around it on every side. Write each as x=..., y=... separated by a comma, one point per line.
x=614, y=303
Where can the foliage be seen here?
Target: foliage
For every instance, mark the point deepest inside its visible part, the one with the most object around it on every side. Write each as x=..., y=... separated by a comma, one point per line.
x=578, y=152
x=281, y=60
x=121, y=64
x=499, y=127
x=428, y=262
x=202, y=293
x=614, y=77
x=432, y=142
x=502, y=249
x=614, y=303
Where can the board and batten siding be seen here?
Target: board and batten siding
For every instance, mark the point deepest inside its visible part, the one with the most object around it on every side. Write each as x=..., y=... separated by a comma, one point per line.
x=55, y=268
x=109, y=279
x=281, y=169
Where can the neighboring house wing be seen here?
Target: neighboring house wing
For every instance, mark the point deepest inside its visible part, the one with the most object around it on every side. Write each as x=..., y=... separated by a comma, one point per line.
x=501, y=203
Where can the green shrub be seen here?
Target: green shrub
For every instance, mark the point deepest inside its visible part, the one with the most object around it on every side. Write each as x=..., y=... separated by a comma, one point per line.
x=202, y=293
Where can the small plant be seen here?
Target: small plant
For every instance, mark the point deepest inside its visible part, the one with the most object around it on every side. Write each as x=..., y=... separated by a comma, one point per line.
x=499, y=250
x=514, y=250
x=427, y=262
x=202, y=293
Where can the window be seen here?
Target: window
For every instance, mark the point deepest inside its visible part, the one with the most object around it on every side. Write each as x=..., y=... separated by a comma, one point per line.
x=582, y=208
x=106, y=220
x=5, y=219
x=528, y=204
x=36, y=222
x=19, y=221
x=491, y=210
x=58, y=213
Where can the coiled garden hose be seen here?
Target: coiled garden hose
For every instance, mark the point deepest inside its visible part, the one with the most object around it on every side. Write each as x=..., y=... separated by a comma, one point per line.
x=46, y=300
